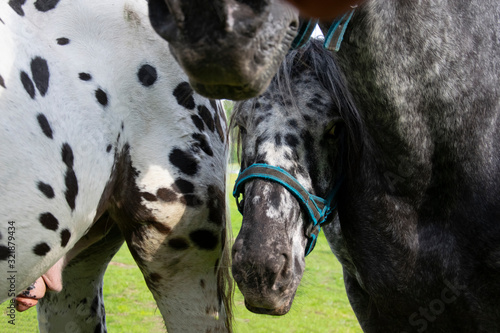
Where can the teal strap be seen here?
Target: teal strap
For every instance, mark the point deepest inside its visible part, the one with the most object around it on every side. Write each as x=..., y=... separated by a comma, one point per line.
x=317, y=209
x=337, y=31
x=304, y=34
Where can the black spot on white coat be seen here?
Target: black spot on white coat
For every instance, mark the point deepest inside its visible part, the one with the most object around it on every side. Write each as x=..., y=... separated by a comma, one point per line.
x=4, y=252
x=71, y=188
x=186, y=188
x=101, y=97
x=49, y=221
x=46, y=5
x=147, y=75
x=198, y=122
x=184, y=95
x=191, y=200
x=40, y=73
x=204, y=239
x=67, y=155
x=65, y=236
x=85, y=76
x=46, y=189
x=205, y=114
x=213, y=103
x=27, y=84
x=216, y=205
x=63, y=41
x=70, y=179
x=166, y=195
x=183, y=186
x=2, y=82
x=185, y=162
x=41, y=249
x=17, y=5
x=149, y=196
x=218, y=126
x=44, y=125
x=202, y=143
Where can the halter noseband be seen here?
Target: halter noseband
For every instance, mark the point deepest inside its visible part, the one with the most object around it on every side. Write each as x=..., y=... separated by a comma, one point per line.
x=317, y=209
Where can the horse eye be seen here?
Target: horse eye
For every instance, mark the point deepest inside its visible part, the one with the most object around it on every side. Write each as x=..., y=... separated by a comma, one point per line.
x=331, y=132
x=334, y=131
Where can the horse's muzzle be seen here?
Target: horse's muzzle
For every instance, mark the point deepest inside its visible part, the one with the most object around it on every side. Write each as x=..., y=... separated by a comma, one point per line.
x=266, y=279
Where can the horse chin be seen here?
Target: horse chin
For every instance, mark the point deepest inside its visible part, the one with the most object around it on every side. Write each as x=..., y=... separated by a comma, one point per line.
x=236, y=92
x=278, y=311
x=227, y=50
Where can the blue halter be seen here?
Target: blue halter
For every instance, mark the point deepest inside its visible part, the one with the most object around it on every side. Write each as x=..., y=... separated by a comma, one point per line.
x=306, y=28
x=333, y=37
x=317, y=209
x=335, y=34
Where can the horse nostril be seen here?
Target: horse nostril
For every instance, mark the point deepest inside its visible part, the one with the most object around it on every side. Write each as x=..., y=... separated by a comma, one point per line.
x=285, y=269
x=277, y=268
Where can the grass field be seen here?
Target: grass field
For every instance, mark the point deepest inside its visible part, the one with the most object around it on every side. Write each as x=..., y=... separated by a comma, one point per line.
x=320, y=305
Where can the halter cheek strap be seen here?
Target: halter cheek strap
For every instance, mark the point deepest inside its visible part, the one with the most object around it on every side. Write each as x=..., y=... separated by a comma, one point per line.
x=317, y=209
x=306, y=29
x=334, y=36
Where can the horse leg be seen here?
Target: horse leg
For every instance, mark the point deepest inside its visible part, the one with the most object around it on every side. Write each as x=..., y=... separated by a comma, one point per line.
x=185, y=267
x=79, y=306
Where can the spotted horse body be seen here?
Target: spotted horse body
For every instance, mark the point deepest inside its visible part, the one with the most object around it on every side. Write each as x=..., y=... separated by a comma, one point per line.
x=103, y=140
x=407, y=120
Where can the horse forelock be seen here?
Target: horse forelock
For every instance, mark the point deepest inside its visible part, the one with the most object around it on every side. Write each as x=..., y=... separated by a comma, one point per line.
x=321, y=64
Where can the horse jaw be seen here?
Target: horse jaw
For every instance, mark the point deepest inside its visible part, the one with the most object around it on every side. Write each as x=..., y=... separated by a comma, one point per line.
x=229, y=49
x=268, y=254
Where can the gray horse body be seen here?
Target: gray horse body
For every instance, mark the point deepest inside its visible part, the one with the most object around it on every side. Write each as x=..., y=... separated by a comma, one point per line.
x=419, y=225
x=418, y=230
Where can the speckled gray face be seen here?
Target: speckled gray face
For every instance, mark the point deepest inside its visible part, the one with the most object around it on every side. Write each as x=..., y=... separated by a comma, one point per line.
x=297, y=127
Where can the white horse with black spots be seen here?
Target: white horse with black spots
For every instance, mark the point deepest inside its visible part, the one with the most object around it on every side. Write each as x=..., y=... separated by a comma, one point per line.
x=102, y=140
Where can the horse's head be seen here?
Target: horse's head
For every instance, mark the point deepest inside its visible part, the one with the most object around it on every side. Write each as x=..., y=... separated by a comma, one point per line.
x=228, y=48
x=304, y=124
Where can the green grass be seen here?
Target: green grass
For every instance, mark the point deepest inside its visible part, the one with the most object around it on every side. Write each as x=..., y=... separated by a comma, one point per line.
x=320, y=305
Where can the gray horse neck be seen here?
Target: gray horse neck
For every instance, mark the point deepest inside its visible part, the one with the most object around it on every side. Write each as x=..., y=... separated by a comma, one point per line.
x=425, y=77
x=426, y=84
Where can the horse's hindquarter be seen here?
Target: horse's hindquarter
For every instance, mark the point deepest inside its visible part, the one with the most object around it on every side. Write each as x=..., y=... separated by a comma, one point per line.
x=425, y=209
x=97, y=115
x=53, y=148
